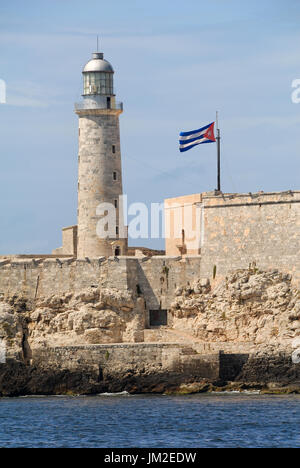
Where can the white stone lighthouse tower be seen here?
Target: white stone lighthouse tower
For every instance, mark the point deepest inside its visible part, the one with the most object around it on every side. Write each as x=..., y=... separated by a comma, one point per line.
x=99, y=164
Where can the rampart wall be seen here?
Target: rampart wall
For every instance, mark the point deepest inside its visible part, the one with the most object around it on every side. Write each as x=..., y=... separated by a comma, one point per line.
x=236, y=230
x=240, y=229
x=156, y=278
x=119, y=359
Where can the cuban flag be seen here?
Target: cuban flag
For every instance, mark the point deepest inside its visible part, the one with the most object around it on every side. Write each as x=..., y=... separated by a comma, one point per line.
x=188, y=140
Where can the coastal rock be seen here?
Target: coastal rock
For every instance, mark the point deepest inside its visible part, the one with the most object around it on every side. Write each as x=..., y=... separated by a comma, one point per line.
x=88, y=317
x=77, y=342
x=251, y=306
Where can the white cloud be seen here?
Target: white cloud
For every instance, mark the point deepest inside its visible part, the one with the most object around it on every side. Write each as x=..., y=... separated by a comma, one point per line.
x=24, y=93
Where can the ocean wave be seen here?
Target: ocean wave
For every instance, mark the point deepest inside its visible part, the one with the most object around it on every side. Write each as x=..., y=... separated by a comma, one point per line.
x=238, y=392
x=107, y=394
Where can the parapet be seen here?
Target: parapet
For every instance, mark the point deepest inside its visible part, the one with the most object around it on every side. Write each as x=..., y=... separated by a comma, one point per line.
x=250, y=198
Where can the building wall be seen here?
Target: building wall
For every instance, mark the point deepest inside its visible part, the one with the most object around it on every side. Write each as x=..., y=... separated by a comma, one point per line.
x=262, y=228
x=235, y=230
x=238, y=230
x=44, y=278
x=182, y=225
x=117, y=360
x=69, y=235
x=69, y=242
x=156, y=277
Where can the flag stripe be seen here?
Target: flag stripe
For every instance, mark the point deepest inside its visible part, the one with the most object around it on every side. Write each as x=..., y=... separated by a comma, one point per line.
x=182, y=142
x=192, y=146
x=195, y=131
x=193, y=136
x=197, y=141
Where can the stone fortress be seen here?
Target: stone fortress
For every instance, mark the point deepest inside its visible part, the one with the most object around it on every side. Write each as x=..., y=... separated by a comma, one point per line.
x=98, y=308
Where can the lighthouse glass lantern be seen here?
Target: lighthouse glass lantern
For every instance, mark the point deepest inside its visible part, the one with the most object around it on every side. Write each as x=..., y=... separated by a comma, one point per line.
x=98, y=77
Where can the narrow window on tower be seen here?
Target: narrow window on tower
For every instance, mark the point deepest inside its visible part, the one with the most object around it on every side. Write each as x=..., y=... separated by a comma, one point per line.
x=113, y=148
x=117, y=230
x=114, y=176
x=108, y=100
x=116, y=203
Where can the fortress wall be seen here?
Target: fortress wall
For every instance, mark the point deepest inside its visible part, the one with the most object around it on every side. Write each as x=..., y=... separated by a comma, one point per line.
x=114, y=273
x=238, y=230
x=109, y=355
x=261, y=228
x=35, y=278
x=117, y=360
x=169, y=363
x=156, y=277
x=159, y=277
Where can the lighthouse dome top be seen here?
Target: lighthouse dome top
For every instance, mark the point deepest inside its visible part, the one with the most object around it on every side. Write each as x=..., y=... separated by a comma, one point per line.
x=98, y=64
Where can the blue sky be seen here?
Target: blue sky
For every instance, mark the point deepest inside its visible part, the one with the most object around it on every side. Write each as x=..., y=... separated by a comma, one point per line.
x=175, y=63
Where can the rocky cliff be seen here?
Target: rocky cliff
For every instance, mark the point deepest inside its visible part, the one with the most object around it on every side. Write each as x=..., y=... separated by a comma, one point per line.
x=250, y=306
x=89, y=317
x=243, y=329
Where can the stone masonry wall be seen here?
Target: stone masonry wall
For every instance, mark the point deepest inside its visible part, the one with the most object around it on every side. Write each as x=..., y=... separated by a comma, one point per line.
x=119, y=359
x=99, y=180
x=39, y=278
x=94, y=369
x=241, y=229
x=156, y=278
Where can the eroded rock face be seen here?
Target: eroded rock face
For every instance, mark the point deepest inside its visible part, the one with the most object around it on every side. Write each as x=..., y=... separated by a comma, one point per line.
x=89, y=317
x=249, y=306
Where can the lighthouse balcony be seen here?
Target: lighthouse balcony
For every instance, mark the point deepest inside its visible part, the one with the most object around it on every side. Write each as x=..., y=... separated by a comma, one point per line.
x=90, y=104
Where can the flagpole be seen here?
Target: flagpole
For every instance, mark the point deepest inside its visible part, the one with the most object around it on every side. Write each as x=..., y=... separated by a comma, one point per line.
x=219, y=153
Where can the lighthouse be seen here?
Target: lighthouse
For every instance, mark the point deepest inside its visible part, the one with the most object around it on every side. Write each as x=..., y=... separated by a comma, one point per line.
x=100, y=227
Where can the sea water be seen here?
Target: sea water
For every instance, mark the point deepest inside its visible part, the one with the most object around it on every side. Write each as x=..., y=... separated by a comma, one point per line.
x=154, y=421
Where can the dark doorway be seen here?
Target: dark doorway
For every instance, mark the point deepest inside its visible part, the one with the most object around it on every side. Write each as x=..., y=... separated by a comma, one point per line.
x=117, y=251
x=158, y=317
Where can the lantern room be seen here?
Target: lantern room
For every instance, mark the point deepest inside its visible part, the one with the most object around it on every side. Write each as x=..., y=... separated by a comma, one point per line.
x=98, y=77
